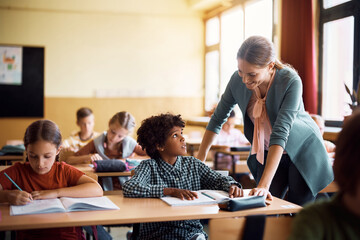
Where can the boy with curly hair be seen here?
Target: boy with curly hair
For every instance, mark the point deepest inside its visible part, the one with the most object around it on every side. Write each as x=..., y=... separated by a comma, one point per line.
x=170, y=173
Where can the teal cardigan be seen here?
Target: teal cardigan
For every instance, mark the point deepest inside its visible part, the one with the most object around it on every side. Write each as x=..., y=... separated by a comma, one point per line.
x=292, y=128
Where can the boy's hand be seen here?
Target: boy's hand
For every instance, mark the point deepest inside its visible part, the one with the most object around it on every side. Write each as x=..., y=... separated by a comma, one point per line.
x=17, y=197
x=44, y=194
x=235, y=191
x=180, y=193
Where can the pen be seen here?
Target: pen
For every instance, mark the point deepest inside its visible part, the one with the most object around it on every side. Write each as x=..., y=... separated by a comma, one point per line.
x=12, y=181
x=208, y=195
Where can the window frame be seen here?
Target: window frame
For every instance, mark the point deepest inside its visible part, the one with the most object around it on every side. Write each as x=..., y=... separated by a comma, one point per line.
x=347, y=9
x=217, y=12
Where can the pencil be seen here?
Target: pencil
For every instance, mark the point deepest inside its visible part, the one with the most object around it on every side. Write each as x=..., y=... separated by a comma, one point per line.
x=208, y=195
x=12, y=181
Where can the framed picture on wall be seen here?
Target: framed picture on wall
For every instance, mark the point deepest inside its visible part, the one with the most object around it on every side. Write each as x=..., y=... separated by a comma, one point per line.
x=21, y=81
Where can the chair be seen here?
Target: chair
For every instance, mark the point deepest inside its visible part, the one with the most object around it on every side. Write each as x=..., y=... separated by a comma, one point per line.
x=234, y=228
x=242, y=152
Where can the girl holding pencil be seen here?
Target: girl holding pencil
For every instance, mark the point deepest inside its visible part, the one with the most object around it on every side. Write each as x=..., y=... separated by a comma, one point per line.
x=42, y=178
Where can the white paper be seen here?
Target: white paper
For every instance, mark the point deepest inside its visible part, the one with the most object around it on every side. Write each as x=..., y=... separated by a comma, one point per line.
x=63, y=204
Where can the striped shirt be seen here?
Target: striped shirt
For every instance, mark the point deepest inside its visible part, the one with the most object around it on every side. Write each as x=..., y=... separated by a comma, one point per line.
x=74, y=142
x=152, y=176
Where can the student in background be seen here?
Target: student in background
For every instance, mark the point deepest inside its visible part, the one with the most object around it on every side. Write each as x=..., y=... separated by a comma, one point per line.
x=113, y=144
x=170, y=173
x=36, y=178
x=232, y=137
x=85, y=120
x=330, y=147
x=338, y=218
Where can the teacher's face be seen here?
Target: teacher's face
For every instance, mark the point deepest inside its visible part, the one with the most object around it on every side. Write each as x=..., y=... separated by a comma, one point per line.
x=252, y=75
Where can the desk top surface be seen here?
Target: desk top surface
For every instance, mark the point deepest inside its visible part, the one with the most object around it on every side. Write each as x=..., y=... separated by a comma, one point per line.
x=133, y=210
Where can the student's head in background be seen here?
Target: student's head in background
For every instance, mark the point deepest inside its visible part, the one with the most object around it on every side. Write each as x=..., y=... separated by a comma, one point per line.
x=230, y=123
x=319, y=121
x=86, y=121
x=347, y=156
x=42, y=142
x=120, y=125
x=155, y=132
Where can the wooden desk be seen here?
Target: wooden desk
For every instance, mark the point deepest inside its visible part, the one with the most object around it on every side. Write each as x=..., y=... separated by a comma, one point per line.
x=87, y=169
x=12, y=158
x=203, y=122
x=332, y=187
x=193, y=145
x=331, y=133
x=133, y=210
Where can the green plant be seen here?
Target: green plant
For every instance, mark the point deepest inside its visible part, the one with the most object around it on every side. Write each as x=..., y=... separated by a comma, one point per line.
x=354, y=96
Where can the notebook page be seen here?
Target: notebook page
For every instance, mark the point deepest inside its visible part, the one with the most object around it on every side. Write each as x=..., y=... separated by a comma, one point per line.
x=88, y=204
x=38, y=206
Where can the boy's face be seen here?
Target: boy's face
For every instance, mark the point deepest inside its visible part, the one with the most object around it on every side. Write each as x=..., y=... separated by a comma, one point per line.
x=86, y=124
x=41, y=155
x=174, y=145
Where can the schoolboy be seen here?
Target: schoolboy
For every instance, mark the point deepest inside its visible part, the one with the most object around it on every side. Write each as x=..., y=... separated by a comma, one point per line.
x=170, y=173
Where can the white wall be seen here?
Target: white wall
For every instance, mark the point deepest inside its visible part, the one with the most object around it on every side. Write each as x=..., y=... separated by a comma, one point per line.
x=113, y=47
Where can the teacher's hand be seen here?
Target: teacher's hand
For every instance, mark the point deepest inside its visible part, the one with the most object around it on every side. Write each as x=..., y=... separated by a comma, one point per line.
x=261, y=192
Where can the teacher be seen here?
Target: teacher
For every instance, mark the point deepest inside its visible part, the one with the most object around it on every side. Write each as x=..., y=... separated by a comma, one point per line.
x=287, y=151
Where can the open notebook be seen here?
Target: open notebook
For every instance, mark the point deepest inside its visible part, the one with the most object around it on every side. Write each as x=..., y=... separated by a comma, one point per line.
x=208, y=197
x=63, y=204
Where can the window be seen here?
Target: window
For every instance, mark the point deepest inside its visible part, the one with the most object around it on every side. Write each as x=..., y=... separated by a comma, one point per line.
x=339, y=45
x=224, y=33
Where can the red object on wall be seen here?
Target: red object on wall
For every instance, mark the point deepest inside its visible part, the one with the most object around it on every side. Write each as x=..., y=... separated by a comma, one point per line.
x=298, y=46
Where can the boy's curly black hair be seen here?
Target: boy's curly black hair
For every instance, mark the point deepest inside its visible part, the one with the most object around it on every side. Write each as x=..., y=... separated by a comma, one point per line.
x=154, y=131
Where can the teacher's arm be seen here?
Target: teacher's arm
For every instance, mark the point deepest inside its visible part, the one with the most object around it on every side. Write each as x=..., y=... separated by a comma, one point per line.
x=221, y=113
x=272, y=162
x=205, y=145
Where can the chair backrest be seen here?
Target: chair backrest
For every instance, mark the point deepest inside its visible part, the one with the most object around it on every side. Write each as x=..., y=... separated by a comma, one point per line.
x=233, y=228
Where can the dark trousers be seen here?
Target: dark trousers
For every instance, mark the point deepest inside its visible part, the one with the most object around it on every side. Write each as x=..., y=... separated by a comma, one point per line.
x=287, y=182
